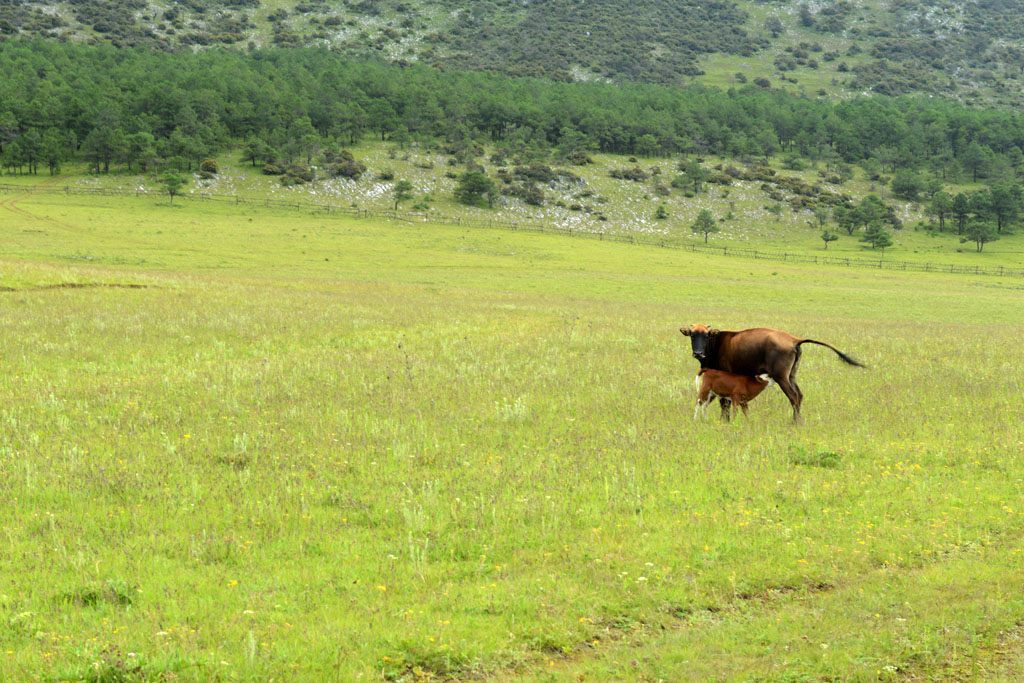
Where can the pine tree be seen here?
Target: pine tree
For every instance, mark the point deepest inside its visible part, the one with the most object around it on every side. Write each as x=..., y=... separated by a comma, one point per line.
x=172, y=183
x=402, y=191
x=877, y=236
x=979, y=232
x=705, y=223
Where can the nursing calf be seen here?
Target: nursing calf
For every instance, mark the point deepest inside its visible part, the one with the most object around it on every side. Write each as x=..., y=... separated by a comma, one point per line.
x=753, y=352
x=740, y=389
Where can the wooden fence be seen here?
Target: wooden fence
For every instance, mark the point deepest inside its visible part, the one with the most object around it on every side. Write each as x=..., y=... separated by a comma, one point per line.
x=413, y=217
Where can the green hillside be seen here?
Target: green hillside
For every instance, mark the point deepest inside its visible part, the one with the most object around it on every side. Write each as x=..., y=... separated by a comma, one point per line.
x=973, y=51
x=630, y=158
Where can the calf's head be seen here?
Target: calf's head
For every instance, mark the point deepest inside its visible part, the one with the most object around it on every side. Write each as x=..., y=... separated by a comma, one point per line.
x=699, y=336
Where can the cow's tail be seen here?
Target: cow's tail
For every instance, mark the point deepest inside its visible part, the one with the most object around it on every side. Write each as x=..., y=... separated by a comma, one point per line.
x=842, y=355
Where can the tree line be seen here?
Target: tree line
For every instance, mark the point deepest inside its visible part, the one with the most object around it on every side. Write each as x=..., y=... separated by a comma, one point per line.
x=128, y=108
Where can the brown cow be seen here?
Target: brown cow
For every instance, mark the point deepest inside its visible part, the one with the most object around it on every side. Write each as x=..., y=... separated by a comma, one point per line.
x=740, y=389
x=760, y=350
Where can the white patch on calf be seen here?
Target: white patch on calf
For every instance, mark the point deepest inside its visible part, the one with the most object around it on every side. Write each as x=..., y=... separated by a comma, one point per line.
x=701, y=409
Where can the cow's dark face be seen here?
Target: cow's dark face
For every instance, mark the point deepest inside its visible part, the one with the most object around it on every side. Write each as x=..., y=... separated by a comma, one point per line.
x=699, y=336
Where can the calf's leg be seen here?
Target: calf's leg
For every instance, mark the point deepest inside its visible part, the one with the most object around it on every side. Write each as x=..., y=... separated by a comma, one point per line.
x=701, y=409
x=724, y=402
x=743, y=404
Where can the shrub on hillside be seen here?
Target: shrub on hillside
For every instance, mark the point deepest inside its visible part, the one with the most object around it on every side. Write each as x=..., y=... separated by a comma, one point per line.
x=297, y=174
x=530, y=192
x=580, y=158
x=635, y=173
x=332, y=156
x=349, y=168
x=536, y=171
x=300, y=171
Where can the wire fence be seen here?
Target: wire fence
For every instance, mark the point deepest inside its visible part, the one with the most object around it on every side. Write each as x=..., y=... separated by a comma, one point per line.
x=440, y=219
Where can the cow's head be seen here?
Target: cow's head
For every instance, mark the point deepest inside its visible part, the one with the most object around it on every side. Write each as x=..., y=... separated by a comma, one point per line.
x=699, y=336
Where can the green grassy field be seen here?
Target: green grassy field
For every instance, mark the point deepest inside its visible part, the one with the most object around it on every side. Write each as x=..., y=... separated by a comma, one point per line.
x=628, y=207
x=245, y=445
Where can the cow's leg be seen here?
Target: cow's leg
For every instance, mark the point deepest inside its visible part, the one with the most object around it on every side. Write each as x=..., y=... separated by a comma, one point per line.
x=792, y=393
x=782, y=368
x=792, y=375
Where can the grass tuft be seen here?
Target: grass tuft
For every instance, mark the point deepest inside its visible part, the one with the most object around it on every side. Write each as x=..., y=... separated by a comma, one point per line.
x=117, y=592
x=806, y=457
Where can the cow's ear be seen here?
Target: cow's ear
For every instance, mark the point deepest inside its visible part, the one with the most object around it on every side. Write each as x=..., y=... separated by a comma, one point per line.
x=712, y=332
x=685, y=331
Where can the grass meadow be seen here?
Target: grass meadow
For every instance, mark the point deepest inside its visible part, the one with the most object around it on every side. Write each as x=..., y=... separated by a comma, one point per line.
x=592, y=203
x=255, y=445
